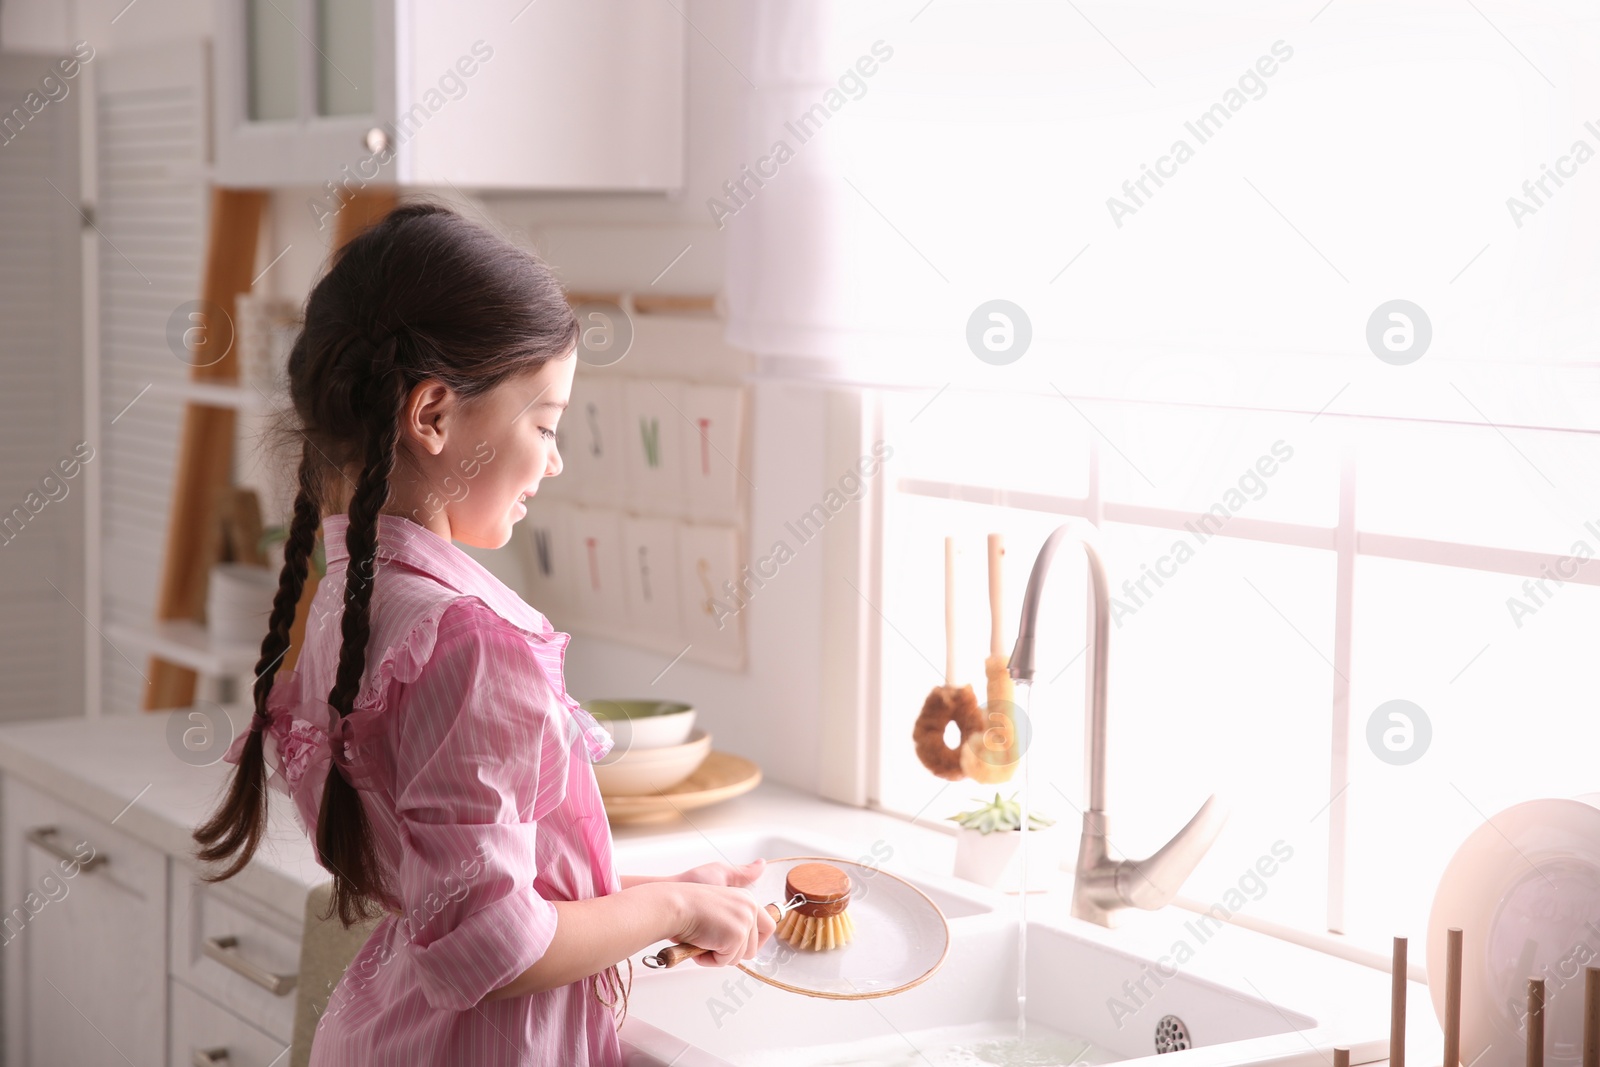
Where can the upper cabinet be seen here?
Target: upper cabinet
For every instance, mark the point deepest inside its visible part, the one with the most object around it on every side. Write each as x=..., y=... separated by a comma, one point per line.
x=491, y=94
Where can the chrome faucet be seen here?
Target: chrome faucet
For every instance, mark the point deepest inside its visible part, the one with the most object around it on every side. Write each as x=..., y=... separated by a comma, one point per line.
x=1103, y=885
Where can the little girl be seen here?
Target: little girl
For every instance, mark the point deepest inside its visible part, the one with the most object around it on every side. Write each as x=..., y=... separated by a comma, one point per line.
x=426, y=737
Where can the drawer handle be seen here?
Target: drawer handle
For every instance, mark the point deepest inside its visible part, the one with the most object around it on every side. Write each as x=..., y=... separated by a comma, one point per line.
x=45, y=838
x=210, y=1057
x=225, y=950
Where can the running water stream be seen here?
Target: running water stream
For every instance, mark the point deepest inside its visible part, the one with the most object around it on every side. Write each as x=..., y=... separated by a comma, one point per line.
x=1018, y=717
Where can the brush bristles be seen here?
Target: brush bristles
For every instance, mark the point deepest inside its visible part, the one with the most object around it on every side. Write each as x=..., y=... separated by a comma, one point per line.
x=820, y=934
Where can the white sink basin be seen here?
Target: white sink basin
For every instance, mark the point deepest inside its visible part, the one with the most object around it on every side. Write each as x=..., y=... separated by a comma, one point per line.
x=1089, y=1000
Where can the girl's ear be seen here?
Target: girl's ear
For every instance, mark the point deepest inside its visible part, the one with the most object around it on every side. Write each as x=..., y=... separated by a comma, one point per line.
x=427, y=414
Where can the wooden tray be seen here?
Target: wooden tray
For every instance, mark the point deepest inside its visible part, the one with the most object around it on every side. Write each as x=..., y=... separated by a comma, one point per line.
x=721, y=776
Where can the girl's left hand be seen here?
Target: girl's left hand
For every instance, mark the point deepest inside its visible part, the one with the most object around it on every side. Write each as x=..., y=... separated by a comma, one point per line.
x=723, y=873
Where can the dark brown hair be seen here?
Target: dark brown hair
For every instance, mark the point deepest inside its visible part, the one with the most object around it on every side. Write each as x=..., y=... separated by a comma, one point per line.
x=422, y=295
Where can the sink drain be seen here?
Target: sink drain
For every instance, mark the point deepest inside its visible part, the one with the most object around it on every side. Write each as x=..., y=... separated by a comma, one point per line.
x=1171, y=1035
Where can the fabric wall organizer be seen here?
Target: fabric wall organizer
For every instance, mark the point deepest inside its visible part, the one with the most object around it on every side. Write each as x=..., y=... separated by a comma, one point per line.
x=641, y=538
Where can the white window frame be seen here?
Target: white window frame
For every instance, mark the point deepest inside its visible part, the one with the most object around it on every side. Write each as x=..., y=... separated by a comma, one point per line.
x=1344, y=538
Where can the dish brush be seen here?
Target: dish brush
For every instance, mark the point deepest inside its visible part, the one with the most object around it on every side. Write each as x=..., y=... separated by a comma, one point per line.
x=822, y=922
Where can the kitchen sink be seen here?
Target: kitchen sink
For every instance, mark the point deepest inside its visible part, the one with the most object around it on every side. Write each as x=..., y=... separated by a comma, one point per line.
x=970, y=1005
x=1090, y=1000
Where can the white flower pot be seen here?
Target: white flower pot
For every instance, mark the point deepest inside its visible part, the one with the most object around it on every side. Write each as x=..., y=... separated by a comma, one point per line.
x=995, y=859
x=238, y=602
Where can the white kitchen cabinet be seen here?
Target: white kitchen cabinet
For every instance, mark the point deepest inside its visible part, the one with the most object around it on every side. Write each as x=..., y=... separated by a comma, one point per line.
x=85, y=953
x=131, y=959
x=203, y=1033
x=493, y=94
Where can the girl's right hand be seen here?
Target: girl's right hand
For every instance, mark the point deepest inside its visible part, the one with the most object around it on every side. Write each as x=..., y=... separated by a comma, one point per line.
x=725, y=921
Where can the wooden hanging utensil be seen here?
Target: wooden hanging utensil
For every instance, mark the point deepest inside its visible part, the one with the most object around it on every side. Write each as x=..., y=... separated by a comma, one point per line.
x=1591, y=1017
x=1397, y=1005
x=1452, y=998
x=948, y=702
x=1536, y=1022
x=990, y=755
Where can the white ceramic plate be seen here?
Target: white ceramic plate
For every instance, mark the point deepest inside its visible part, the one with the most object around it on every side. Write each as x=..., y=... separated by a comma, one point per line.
x=1525, y=890
x=901, y=937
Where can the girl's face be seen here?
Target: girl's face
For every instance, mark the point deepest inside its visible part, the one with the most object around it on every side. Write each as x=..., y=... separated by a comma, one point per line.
x=479, y=460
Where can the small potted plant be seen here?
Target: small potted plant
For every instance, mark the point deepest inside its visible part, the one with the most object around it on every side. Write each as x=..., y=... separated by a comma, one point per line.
x=988, y=846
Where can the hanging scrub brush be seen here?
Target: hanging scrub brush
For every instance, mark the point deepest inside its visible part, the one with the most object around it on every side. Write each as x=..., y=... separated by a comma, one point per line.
x=949, y=702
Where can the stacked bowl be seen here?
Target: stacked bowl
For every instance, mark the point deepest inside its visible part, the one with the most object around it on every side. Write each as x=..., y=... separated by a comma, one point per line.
x=656, y=746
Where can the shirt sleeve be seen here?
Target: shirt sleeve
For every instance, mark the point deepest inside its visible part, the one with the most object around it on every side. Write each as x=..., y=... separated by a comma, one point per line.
x=480, y=756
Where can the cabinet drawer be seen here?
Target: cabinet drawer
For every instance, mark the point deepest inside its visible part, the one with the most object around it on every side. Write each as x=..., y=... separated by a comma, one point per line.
x=203, y=1033
x=246, y=959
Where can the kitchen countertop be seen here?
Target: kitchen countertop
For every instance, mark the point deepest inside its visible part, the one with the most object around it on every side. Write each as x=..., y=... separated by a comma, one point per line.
x=123, y=768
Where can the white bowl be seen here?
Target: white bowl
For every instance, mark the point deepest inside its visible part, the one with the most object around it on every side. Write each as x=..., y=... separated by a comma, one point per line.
x=643, y=723
x=645, y=771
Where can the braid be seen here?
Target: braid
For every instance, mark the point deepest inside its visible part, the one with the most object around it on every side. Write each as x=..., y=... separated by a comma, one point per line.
x=291, y=583
x=343, y=844
x=238, y=824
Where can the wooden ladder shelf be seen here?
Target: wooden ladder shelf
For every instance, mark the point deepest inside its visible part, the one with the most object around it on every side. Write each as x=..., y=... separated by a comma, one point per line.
x=205, y=454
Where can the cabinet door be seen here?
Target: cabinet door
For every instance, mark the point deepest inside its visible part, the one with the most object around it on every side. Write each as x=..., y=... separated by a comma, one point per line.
x=298, y=87
x=85, y=937
x=491, y=94
x=344, y=41
x=272, y=61
x=151, y=153
x=41, y=405
x=558, y=94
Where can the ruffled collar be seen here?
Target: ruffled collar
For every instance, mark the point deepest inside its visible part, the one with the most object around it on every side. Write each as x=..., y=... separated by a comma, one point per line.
x=411, y=545
x=403, y=541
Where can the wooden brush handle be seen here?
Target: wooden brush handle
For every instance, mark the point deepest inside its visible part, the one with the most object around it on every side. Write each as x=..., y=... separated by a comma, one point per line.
x=1397, y=1005
x=1452, y=998
x=1535, y=1022
x=996, y=624
x=949, y=611
x=1591, y=1017
x=675, y=954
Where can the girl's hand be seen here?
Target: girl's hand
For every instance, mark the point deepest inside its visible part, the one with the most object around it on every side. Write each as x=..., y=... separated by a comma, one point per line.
x=723, y=873
x=725, y=921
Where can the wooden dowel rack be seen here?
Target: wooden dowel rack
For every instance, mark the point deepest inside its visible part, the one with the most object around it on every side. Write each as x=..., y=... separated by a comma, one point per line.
x=649, y=303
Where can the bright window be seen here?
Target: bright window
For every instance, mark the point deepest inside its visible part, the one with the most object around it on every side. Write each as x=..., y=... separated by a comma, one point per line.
x=1226, y=648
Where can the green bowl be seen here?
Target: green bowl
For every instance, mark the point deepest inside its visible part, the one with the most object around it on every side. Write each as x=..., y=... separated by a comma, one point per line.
x=643, y=723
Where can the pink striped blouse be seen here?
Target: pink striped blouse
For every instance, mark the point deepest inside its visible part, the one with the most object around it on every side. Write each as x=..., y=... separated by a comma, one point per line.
x=462, y=742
